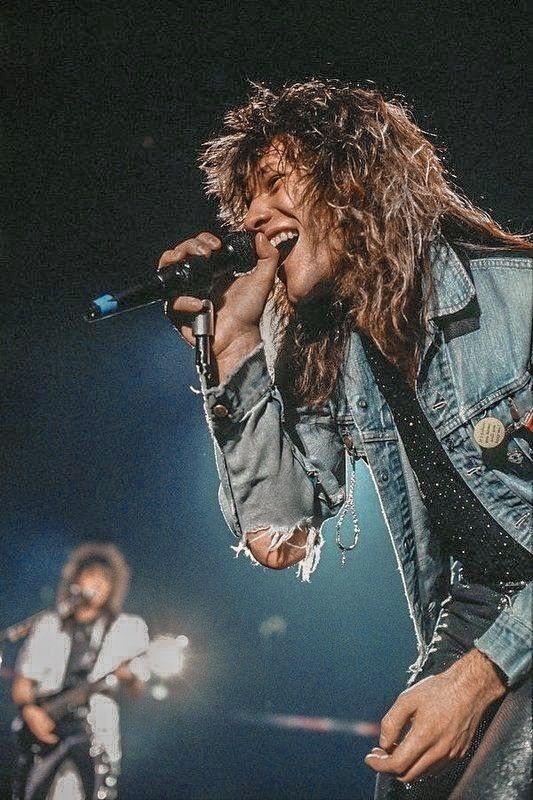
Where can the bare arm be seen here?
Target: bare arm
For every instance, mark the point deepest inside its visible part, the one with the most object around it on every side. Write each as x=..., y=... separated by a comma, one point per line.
x=23, y=690
x=38, y=721
x=131, y=684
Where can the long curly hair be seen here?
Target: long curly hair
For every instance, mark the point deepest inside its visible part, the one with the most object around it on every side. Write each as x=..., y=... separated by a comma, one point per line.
x=103, y=554
x=374, y=177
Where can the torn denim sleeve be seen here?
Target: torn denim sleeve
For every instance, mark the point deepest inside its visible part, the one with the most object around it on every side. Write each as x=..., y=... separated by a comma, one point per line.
x=509, y=639
x=271, y=482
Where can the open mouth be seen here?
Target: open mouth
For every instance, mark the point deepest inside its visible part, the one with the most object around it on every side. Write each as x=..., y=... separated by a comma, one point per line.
x=284, y=242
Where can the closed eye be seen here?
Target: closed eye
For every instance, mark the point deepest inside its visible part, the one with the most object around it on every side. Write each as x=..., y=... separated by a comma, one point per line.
x=268, y=185
x=273, y=180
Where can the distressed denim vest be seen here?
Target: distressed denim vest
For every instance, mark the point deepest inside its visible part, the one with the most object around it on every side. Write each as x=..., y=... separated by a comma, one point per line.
x=477, y=357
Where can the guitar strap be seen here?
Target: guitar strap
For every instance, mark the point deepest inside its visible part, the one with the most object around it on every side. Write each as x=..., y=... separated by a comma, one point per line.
x=88, y=659
x=100, y=630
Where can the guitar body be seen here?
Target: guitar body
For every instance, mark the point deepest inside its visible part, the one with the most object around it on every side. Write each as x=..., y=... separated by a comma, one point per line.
x=26, y=742
x=66, y=709
x=39, y=762
x=69, y=723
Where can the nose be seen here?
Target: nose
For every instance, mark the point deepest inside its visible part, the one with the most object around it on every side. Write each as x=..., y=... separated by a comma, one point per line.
x=258, y=214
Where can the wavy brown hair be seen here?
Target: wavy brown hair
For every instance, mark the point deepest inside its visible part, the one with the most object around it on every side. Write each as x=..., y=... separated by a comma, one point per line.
x=373, y=176
x=106, y=556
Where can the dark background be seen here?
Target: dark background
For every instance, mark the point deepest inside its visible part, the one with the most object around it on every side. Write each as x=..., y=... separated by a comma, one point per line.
x=105, y=106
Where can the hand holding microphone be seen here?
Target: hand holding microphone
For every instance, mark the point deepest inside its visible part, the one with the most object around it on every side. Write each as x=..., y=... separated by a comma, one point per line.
x=193, y=273
x=241, y=305
x=189, y=272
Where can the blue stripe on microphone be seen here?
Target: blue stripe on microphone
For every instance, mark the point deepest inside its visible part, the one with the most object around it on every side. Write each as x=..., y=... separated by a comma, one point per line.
x=107, y=304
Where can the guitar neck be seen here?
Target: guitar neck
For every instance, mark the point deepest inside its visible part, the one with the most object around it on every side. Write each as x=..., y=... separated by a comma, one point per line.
x=67, y=701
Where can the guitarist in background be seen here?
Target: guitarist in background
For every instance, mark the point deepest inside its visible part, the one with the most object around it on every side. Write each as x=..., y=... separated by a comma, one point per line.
x=77, y=755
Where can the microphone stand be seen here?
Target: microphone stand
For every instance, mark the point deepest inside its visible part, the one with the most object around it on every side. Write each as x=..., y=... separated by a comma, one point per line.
x=20, y=629
x=17, y=631
x=203, y=328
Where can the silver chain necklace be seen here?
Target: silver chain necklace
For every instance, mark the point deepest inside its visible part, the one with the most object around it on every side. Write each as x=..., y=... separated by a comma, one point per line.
x=349, y=504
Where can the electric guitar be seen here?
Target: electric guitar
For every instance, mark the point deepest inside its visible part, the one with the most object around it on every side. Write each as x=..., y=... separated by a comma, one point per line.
x=61, y=705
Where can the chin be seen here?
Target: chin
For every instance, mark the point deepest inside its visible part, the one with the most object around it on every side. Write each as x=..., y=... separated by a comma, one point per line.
x=298, y=300
x=293, y=298
x=303, y=295
x=297, y=293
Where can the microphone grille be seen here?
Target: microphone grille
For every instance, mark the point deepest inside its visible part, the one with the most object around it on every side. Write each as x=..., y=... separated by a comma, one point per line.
x=241, y=248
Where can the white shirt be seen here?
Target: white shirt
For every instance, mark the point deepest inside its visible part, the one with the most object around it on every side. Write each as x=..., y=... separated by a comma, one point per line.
x=44, y=658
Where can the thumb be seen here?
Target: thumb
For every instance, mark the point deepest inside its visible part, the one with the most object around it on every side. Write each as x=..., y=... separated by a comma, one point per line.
x=393, y=723
x=267, y=255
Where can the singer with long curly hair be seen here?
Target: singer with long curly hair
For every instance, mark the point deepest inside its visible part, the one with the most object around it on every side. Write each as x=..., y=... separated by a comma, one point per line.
x=388, y=319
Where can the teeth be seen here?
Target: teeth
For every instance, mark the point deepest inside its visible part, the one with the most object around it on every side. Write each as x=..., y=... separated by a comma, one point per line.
x=284, y=236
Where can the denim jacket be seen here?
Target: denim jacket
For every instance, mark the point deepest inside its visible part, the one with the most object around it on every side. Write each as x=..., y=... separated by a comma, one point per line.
x=281, y=469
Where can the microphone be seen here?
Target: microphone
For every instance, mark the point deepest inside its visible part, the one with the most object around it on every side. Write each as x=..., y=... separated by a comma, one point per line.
x=77, y=596
x=193, y=277
x=64, y=609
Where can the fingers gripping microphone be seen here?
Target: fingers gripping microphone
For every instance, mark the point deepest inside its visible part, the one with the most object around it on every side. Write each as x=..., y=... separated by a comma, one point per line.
x=193, y=277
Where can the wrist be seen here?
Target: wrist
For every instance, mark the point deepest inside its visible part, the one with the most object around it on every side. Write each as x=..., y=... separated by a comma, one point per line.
x=232, y=355
x=480, y=672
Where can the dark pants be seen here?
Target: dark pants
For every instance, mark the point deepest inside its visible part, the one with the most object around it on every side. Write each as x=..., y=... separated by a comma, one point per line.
x=498, y=763
x=35, y=773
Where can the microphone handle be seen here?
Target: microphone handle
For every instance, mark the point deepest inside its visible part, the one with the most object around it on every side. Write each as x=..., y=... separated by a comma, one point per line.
x=141, y=294
x=193, y=277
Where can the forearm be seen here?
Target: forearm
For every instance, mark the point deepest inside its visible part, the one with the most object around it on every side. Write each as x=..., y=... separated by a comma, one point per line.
x=263, y=476
x=36, y=718
x=227, y=361
x=475, y=669
x=133, y=686
x=267, y=496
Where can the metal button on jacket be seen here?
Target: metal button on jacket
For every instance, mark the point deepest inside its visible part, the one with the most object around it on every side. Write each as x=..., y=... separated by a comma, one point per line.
x=220, y=411
x=347, y=442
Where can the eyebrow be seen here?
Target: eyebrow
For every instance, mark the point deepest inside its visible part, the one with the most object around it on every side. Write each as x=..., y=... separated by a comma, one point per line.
x=265, y=169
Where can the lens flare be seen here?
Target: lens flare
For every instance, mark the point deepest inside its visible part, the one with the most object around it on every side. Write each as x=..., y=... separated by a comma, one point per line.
x=166, y=655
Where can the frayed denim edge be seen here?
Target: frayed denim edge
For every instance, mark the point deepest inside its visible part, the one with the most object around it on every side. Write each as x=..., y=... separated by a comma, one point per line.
x=280, y=535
